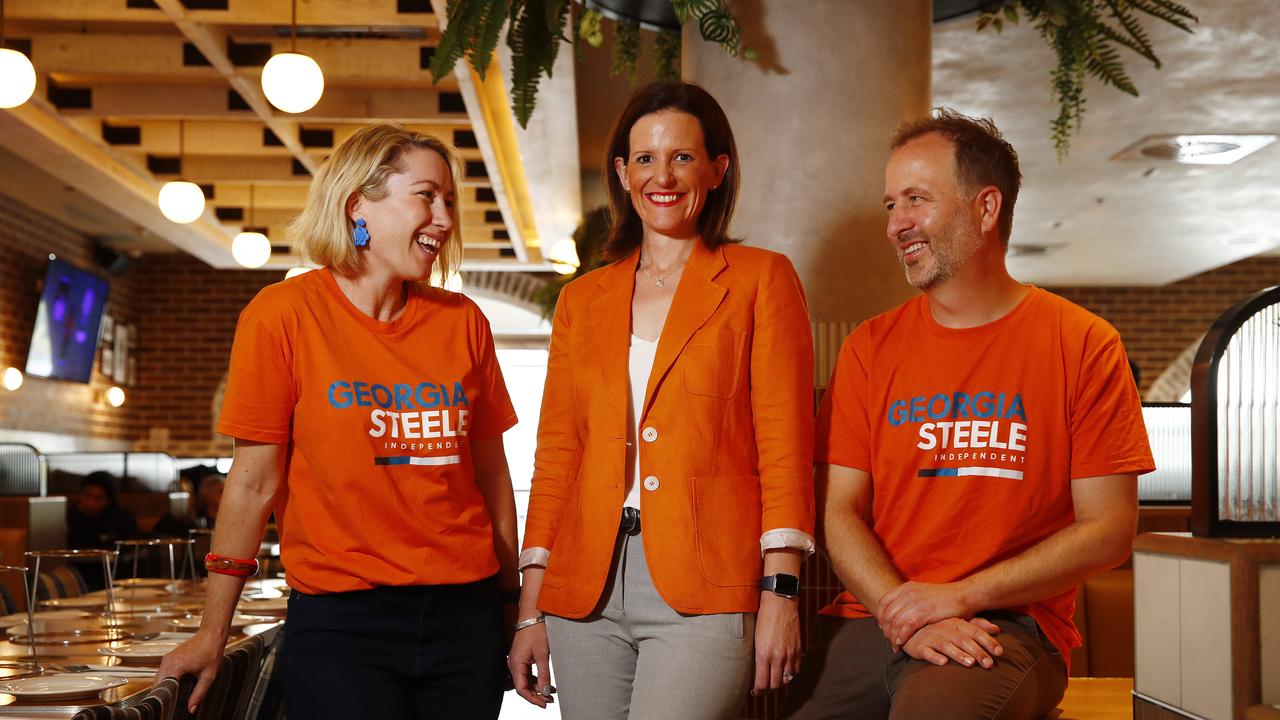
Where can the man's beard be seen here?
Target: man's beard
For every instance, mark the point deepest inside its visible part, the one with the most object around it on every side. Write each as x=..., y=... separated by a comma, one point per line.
x=948, y=256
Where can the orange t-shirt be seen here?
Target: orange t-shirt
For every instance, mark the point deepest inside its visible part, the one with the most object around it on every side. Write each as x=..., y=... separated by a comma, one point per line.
x=378, y=417
x=972, y=436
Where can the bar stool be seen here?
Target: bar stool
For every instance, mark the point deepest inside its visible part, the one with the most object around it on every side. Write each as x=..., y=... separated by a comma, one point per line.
x=168, y=543
x=30, y=666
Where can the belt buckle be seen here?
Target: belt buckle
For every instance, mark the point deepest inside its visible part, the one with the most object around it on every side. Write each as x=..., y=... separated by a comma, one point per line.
x=630, y=524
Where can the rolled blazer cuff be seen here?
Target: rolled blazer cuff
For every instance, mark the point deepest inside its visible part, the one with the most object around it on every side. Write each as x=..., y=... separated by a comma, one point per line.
x=783, y=539
x=534, y=556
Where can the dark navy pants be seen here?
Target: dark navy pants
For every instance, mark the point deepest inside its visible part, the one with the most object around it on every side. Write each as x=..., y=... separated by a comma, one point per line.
x=396, y=652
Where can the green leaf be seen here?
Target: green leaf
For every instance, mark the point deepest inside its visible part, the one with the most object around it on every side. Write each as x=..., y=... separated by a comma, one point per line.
x=486, y=39
x=626, y=50
x=666, y=55
x=453, y=42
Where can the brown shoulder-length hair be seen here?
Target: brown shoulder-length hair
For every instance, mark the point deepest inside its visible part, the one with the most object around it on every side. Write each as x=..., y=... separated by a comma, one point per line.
x=625, y=229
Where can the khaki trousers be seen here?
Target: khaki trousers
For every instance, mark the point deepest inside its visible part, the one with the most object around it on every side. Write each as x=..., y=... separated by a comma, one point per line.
x=635, y=658
x=850, y=673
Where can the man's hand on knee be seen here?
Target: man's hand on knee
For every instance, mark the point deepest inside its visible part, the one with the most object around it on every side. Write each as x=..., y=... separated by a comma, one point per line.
x=912, y=605
x=968, y=642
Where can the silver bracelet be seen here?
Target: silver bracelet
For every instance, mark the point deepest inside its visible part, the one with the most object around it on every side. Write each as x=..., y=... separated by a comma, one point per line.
x=529, y=623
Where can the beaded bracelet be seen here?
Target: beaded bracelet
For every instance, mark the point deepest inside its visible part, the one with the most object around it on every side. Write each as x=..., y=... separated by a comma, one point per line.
x=230, y=566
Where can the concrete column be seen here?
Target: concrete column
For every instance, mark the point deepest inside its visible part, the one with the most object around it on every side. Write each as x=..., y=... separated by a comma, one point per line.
x=812, y=119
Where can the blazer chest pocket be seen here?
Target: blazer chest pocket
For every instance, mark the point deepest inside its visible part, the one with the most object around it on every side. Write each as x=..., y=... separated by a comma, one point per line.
x=711, y=362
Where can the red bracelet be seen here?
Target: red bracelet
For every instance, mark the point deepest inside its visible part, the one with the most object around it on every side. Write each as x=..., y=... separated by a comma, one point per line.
x=230, y=566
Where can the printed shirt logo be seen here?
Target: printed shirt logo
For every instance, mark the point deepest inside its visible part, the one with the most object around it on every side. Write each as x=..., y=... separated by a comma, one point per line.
x=968, y=428
x=421, y=417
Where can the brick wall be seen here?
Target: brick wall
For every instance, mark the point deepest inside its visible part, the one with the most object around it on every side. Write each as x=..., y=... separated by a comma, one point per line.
x=1158, y=323
x=183, y=311
x=188, y=317
x=26, y=240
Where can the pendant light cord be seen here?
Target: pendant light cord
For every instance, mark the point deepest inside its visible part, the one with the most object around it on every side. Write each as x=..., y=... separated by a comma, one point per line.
x=293, y=28
x=1, y=23
x=250, y=204
x=181, y=147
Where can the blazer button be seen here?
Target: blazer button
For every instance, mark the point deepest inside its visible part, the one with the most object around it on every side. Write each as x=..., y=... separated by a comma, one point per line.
x=651, y=483
x=649, y=434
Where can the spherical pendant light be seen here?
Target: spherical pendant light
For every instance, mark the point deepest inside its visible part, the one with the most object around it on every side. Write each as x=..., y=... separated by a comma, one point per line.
x=292, y=82
x=251, y=249
x=115, y=396
x=17, y=78
x=182, y=201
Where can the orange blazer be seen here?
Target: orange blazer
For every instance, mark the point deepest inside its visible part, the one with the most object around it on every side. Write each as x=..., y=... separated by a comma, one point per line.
x=726, y=441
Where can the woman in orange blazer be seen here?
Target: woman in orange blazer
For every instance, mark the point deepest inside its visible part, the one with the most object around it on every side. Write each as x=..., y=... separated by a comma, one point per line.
x=672, y=494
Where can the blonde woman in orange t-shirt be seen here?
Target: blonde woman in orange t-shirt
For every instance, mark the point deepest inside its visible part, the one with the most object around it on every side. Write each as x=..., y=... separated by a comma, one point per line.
x=368, y=412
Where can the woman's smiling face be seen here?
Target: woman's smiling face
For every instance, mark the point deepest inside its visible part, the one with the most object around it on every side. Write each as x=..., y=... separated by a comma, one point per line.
x=409, y=226
x=669, y=173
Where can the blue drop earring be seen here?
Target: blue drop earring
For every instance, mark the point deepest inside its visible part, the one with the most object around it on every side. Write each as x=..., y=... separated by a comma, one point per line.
x=359, y=233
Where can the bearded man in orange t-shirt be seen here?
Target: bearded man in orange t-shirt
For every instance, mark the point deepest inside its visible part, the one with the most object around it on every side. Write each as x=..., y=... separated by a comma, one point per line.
x=978, y=451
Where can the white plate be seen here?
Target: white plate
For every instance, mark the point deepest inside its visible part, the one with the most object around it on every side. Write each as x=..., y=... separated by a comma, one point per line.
x=239, y=621
x=51, y=687
x=265, y=605
x=150, y=649
x=21, y=618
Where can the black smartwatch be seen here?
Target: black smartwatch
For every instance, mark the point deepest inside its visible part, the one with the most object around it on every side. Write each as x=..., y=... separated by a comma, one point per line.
x=788, y=586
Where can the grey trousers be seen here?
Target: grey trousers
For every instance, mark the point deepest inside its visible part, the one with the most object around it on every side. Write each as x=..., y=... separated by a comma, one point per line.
x=635, y=658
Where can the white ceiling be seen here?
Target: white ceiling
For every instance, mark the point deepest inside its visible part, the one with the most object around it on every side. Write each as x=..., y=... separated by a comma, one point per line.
x=1115, y=224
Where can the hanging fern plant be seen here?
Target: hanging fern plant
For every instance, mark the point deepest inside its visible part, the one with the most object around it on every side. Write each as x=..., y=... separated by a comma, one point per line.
x=536, y=28
x=1086, y=36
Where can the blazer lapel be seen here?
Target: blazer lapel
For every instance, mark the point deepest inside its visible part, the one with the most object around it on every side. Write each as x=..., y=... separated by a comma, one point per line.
x=696, y=299
x=610, y=323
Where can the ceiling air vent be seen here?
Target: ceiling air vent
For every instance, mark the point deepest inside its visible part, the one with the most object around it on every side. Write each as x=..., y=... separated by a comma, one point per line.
x=1195, y=149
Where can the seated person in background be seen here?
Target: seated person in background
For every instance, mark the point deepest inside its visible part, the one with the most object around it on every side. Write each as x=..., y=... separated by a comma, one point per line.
x=208, y=499
x=977, y=452
x=96, y=521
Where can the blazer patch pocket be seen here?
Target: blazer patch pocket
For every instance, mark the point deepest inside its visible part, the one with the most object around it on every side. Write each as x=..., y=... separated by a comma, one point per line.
x=711, y=362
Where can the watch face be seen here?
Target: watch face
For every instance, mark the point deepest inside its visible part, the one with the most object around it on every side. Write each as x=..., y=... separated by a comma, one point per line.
x=787, y=585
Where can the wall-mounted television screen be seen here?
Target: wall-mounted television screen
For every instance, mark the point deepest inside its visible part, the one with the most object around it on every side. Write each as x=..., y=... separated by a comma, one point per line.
x=65, y=340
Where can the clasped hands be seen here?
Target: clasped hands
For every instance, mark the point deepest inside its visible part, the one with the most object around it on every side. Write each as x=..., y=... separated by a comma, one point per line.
x=936, y=623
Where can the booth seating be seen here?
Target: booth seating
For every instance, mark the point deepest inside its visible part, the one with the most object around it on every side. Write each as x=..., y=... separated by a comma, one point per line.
x=1104, y=605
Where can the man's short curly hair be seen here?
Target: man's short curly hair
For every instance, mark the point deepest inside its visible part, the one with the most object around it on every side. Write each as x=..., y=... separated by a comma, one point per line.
x=983, y=156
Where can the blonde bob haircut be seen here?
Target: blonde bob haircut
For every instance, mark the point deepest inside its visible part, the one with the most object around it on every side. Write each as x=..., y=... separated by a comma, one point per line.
x=362, y=164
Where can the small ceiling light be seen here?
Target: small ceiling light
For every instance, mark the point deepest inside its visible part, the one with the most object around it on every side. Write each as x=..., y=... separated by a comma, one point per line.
x=12, y=379
x=251, y=248
x=296, y=271
x=17, y=75
x=291, y=81
x=181, y=201
x=1195, y=149
x=564, y=257
x=115, y=396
